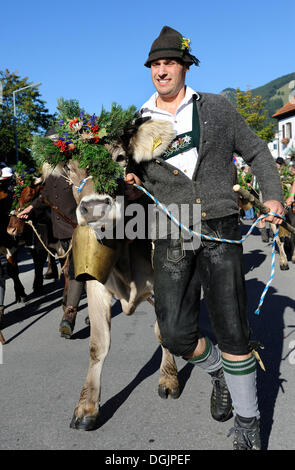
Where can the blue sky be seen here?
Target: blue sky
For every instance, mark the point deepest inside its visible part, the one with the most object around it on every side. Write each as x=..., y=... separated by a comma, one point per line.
x=95, y=51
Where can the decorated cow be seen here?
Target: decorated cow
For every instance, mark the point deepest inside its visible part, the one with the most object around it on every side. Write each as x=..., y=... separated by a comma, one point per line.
x=28, y=187
x=8, y=246
x=91, y=153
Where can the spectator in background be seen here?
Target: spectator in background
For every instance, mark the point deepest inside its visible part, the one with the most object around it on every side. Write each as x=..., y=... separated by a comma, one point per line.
x=58, y=191
x=279, y=162
x=291, y=196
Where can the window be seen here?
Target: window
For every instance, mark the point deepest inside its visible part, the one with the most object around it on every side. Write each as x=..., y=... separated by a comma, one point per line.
x=289, y=130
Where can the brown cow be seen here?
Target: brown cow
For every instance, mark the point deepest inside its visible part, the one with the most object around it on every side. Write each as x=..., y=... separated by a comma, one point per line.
x=17, y=227
x=130, y=280
x=285, y=239
x=8, y=246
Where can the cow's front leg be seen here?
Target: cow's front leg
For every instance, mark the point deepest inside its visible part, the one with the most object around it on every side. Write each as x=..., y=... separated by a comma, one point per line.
x=99, y=307
x=280, y=244
x=168, y=382
x=283, y=257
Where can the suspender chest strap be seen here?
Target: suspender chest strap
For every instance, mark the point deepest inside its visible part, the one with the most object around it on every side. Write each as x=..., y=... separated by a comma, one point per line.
x=188, y=140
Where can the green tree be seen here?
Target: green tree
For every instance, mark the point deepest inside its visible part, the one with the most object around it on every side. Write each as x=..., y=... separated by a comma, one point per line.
x=252, y=108
x=32, y=117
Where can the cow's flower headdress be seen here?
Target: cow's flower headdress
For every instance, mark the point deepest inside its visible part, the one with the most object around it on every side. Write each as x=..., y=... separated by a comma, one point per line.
x=81, y=136
x=23, y=177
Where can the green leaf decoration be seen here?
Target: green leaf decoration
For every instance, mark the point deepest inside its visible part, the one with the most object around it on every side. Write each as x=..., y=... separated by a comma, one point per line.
x=44, y=151
x=23, y=177
x=102, y=133
x=286, y=180
x=83, y=137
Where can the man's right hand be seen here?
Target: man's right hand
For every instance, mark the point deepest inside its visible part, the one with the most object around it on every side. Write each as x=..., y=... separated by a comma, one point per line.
x=131, y=192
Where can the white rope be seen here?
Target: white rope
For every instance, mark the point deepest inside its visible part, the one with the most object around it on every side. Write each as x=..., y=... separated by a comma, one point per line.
x=235, y=242
x=29, y=222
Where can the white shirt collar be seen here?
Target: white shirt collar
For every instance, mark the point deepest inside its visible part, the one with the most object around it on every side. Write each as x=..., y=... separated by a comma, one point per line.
x=151, y=103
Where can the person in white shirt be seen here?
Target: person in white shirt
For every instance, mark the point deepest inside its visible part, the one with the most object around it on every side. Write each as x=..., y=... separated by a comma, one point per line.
x=197, y=168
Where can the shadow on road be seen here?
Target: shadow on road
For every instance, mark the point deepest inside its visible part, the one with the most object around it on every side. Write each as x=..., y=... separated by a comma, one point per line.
x=32, y=308
x=268, y=329
x=153, y=365
x=253, y=259
x=46, y=310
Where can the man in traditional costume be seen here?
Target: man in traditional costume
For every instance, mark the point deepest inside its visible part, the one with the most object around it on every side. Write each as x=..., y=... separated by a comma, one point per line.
x=197, y=169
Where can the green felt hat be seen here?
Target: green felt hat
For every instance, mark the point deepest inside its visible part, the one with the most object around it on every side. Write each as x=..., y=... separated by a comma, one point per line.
x=171, y=44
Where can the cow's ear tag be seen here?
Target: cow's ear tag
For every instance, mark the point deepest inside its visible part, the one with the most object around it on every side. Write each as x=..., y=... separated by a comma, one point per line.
x=156, y=142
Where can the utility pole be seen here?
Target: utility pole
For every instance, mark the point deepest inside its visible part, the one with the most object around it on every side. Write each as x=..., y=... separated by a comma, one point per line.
x=32, y=85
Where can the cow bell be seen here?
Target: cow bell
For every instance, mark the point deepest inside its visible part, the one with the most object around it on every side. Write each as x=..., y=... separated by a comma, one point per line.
x=92, y=259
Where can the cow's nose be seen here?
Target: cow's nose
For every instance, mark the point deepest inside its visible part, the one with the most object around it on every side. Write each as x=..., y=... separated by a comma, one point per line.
x=11, y=231
x=95, y=208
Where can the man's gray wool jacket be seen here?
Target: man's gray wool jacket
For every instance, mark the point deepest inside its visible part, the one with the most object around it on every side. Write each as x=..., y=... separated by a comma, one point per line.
x=223, y=131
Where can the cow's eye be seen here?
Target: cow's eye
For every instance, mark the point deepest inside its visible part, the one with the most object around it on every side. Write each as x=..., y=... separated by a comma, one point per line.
x=66, y=167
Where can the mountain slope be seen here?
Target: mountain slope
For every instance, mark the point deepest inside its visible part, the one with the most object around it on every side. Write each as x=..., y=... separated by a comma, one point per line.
x=275, y=93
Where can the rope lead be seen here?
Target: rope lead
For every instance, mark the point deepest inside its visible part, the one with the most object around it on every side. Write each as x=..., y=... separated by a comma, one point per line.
x=224, y=240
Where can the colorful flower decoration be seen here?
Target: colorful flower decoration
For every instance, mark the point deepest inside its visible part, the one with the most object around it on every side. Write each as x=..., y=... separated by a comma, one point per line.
x=23, y=177
x=83, y=137
x=178, y=144
x=185, y=43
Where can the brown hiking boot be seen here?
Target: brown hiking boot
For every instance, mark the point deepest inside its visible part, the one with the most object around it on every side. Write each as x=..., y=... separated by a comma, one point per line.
x=67, y=324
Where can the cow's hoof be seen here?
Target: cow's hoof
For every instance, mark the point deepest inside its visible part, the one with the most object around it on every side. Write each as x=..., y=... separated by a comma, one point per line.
x=87, y=423
x=175, y=393
x=65, y=330
x=284, y=267
x=164, y=392
x=51, y=275
x=21, y=299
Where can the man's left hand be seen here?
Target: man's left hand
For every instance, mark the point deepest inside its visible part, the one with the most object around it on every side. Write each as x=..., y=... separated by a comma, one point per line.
x=278, y=208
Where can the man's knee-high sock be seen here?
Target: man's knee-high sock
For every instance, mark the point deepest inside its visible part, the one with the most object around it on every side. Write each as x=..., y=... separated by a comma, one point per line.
x=240, y=378
x=210, y=360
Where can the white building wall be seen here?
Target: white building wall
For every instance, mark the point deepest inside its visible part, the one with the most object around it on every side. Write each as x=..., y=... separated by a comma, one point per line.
x=276, y=147
x=282, y=125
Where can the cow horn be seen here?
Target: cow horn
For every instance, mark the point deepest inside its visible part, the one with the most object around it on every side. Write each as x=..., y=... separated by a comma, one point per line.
x=37, y=180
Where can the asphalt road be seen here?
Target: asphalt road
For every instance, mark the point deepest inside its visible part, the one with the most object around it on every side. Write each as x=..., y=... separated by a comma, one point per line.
x=42, y=374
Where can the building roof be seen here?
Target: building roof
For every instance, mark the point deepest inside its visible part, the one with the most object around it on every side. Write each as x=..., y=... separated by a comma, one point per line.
x=288, y=108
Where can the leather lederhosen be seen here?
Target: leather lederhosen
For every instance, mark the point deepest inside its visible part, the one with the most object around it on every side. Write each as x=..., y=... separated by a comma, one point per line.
x=216, y=267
